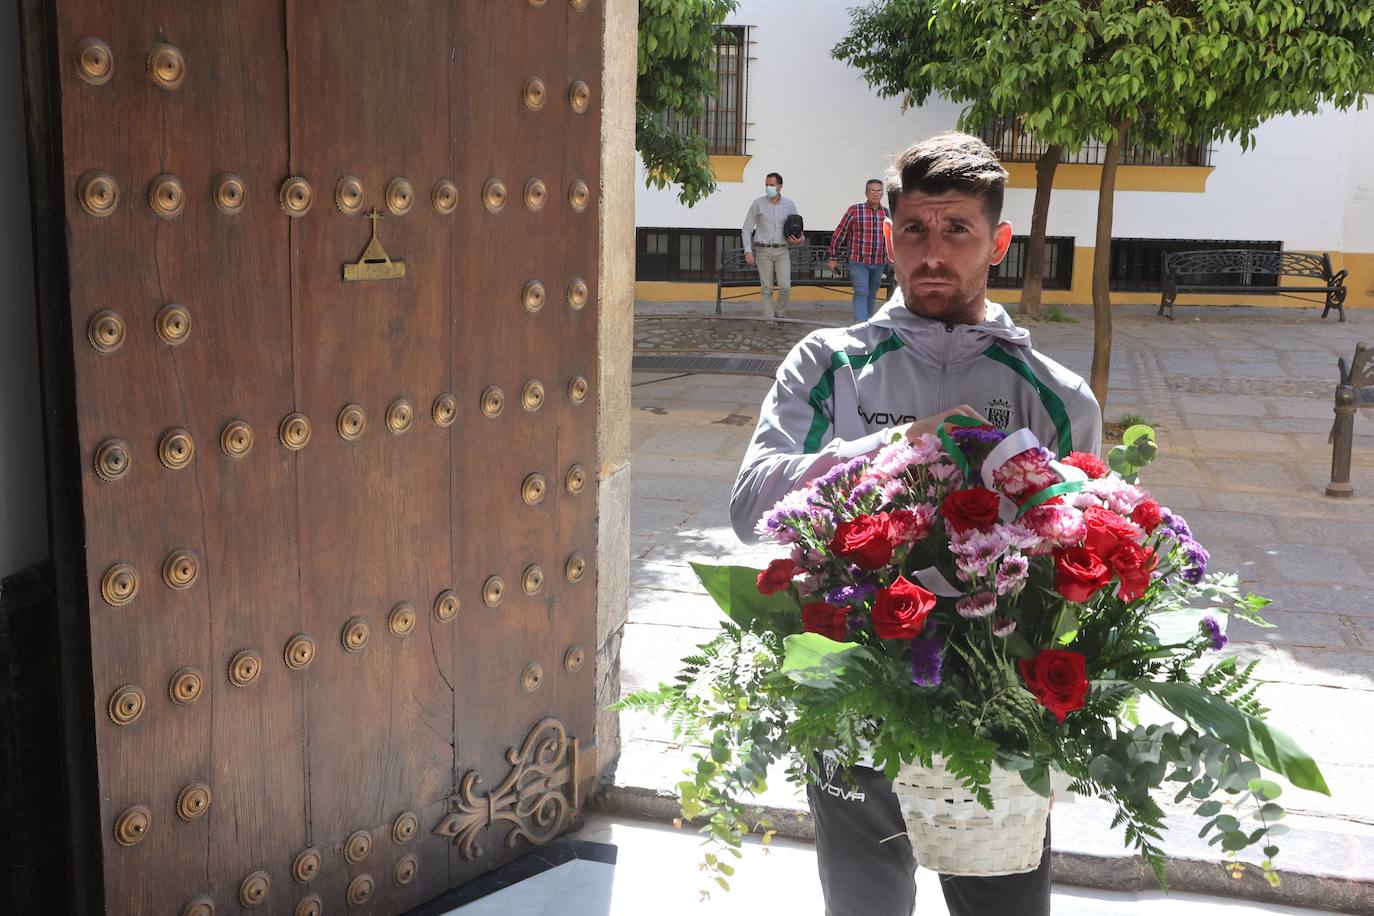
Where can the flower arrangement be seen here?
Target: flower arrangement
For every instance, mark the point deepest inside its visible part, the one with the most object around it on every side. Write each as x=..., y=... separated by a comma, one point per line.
x=969, y=597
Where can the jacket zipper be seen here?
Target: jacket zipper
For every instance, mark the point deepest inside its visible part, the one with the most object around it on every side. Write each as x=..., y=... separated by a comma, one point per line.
x=943, y=388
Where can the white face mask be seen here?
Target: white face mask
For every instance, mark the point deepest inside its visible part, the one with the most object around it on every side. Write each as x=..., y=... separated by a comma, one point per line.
x=771, y=191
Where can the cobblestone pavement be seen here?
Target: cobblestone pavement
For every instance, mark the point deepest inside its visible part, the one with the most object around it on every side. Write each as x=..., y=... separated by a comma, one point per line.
x=1241, y=399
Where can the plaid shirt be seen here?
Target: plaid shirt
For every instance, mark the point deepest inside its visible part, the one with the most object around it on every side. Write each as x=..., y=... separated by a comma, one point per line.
x=860, y=233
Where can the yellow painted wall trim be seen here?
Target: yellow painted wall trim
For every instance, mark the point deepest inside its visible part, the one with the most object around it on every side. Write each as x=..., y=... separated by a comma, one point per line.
x=1359, y=285
x=729, y=169
x=1184, y=179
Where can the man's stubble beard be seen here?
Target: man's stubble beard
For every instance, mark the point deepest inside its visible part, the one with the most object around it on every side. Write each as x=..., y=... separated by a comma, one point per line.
x=958, y=305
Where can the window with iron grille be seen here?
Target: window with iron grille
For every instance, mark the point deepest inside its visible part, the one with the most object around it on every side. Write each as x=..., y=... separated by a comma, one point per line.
x=722, y=121
x=1011, y=142
x=693, y=255
x=1058, y=268
x=1137, y=264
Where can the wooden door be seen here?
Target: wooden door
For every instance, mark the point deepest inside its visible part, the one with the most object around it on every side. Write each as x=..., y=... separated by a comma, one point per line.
x=319, y=303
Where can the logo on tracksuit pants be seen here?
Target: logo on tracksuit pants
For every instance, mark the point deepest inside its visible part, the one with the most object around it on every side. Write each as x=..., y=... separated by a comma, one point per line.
x=844, y=793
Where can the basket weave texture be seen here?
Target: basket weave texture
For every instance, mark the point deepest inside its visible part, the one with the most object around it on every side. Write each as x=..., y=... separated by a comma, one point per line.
x=951, y=833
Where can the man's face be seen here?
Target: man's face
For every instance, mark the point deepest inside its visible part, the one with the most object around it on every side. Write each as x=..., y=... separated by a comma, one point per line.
x=873, y=194
x=771, y=182
x=941, y=247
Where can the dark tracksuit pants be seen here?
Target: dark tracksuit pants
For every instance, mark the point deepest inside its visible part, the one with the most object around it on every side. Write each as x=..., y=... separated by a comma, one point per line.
x=863, y=876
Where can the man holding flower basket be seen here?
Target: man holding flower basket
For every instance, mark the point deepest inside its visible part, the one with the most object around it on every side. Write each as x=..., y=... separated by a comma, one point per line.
x=972, y=599
x=937, y=348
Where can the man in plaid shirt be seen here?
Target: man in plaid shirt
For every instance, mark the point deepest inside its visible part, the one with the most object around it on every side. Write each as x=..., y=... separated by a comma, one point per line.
x=859, y=238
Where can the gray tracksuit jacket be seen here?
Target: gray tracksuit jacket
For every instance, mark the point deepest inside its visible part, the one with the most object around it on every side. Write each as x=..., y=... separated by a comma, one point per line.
x=840, y=389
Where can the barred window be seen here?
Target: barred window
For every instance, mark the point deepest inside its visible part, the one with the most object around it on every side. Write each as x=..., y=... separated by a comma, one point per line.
x=722, y=121
x=1058, y=272
x=1138, y=264
x=1011, y=142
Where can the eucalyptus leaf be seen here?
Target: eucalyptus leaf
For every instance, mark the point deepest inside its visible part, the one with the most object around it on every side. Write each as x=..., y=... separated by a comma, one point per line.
x=1252, y=737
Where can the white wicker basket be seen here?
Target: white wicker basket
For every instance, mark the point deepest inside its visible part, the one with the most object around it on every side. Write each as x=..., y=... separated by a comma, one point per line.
x=951, y=833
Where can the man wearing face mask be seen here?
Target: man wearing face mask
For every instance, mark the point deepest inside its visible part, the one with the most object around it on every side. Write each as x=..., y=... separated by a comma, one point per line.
x=765, y=245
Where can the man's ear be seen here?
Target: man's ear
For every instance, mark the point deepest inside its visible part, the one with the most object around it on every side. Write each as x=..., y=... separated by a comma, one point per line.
x=1001, y=241
x=887, y=237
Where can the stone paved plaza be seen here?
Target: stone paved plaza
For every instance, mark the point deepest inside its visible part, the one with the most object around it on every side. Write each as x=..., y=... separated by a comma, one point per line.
x=1241, y=400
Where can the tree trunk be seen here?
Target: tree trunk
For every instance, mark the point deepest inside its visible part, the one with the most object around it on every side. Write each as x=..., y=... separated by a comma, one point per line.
x=1035, y=246
x=1102, y=263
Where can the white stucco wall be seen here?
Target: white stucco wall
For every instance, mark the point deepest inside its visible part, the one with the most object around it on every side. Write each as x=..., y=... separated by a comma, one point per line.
x=814, y=120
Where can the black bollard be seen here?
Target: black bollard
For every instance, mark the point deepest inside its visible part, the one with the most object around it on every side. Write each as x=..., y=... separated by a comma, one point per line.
x=1342, y=438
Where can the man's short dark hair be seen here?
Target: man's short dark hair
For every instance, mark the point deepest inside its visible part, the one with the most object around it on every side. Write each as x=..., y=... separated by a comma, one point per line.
x=949, y=162
x=772, y=175
x=872, y=181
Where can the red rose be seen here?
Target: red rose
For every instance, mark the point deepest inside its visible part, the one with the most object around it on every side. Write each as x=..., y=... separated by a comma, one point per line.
x=866, y=541
x=1086, y=462
x=973, y=508
x=1107, y=531
x=1058, y=678
x=825, y=619
x=1133, y=564
x=777, y=576
x=1147, y=515
x=901, y=609
x=1078, y=572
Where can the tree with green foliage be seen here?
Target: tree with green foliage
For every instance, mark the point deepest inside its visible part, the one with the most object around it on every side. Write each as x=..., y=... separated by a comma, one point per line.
x=1167, y=71
x=677, y=40
x=894, y=44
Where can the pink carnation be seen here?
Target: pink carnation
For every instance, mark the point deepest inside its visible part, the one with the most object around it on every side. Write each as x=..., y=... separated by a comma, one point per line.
x=912, y=524
x=1003, y=627
x=1060, y=526
x=1025, y=474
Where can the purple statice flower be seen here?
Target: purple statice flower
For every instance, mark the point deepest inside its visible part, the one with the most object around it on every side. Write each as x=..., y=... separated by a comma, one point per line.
x=854, y=624
x=981, y=604
x=865, y=489
x=1195, y=558
x=1175, y=524
x=1212, y=630
x=1003, y=627
x=851, y=594
x=977, y=435
x=779, y=522
x=1012, y=573
x=926, y=658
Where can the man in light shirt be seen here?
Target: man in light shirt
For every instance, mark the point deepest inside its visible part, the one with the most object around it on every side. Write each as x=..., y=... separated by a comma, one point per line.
x=765, y=246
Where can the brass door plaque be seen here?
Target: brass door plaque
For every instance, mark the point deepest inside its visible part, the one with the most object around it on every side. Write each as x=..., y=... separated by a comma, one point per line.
x=374, y=263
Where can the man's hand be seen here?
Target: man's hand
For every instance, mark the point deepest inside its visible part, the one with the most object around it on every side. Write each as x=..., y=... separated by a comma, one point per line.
x=749, y=258
x=833, y=264
x=794, y=239
x=929, y=425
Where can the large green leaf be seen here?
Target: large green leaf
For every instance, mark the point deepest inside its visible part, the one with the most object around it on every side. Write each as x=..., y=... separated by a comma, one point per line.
x=1255, y=739
x=736, y=590
x=817, y=661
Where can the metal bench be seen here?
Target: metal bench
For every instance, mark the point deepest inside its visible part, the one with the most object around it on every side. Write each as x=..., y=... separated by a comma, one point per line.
x=810, y=267
x=1354, y=391
x=1204, y=266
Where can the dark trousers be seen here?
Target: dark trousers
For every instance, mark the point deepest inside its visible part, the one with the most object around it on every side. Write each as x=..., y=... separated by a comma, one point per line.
x=854, y=811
